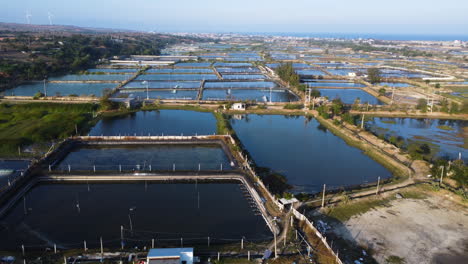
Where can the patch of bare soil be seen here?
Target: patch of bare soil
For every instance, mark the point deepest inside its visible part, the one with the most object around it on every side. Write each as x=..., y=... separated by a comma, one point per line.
x=430, y=230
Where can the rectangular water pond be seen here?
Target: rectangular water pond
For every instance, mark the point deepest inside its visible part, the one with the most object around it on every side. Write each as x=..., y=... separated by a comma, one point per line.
x=176, y=77
x=277, y=95
x=157, y=157
x=180, y=70
x=163, y=85
x=243, y=77
x=91, y=77
x=174, y=94
x=167, y=122
x=334, y=84
x=349, y=96
x=305, y=152
x=62, y=89
x=210, y=85
x=238, y=70
x=68, y=214
x=446, y=138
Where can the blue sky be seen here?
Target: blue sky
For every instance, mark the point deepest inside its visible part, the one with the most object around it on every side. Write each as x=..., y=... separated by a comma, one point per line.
x=344, y=16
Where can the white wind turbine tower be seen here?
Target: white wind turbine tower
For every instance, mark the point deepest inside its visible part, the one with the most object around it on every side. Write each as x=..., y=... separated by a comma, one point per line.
x=28, y=17
x=50, y=16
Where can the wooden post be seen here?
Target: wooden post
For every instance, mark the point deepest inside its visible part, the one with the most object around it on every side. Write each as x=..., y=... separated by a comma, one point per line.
x=22, y=249
x=55, y=248
x=242, y=243
x=378, y=183
x=152, y=243
x=362, y=122
x=121, y=237
x=102, y=249
x=323, y=195
x=248, y=255
x=218, y=256
x=276, y=253
x=64, y=260
x=208, y=241
x=441, y=175
x=84, y=244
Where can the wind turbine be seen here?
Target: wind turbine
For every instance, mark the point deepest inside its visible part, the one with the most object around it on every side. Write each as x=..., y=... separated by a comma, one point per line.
x=50, y=16
x=28, y=17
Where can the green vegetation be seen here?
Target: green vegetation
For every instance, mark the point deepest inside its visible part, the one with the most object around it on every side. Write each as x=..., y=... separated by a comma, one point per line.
x=345, y=211
x=394, y=260
x=422, y=105
x=382, y=92
x=59, y=54
x=286, y=72
x=449, y=128
x=373, y=75
x=293, y=106
x=35, y=124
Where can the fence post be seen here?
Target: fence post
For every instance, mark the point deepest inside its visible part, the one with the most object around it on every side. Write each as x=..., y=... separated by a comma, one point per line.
x=173, y=166
x=22, y=249
x=55, y=248
x=69, y=168
x=208, y=241
x=378, y=183
x=323, y=196
x=121, y=237
x=248, y=255
x=218, y=256
x=152, y=243
x=84, y=244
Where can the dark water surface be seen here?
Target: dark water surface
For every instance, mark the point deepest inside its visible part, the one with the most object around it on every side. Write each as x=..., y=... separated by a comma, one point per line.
x=167, y=122
x=68, y=214
x=146, y=157
x=305, y=152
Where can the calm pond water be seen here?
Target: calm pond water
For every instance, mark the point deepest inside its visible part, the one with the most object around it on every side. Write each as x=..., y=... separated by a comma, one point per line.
x=334, y=84
x=248, y=94
x=305, y=152
x=91, y=77
x=64, y=89
x=68, y=214
x=167, y=122
x=193, y=64
x=348, y=96
x=16, y=167
x=140, y=158
x=243, y=76
x=177, y=95
x=238, y=70
x=164, y=85
x=394, y=84
x=240, y=85
x=177, y=77
x=446, y=137
x=180, y=70
x=109, y=70
x=310, y=72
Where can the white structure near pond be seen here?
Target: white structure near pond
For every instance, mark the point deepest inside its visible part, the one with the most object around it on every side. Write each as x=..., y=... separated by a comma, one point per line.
x=238, y=106
x=170, y=256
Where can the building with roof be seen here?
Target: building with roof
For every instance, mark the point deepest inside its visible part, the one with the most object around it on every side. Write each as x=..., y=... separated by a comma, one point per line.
x=170, y=256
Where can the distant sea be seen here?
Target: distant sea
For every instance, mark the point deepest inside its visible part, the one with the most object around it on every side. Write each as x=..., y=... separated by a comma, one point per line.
x=368, y=36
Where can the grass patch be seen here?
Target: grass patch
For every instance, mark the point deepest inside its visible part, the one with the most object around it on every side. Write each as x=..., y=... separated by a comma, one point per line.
x=23, y=125
x=449, y=128
x=344, y=212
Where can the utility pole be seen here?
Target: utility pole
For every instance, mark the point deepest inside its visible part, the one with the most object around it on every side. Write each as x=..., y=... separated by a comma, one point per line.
x=362, y=122
x=45, y=87
x=102, y=249
x=121, y=237
x=323, y=196
x=393, y=93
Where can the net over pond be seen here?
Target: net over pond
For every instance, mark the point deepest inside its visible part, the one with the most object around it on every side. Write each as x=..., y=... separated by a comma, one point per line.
x=67, y=215
x=174, y=157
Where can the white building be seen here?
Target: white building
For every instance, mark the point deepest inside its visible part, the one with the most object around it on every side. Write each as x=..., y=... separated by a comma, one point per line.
x=238, y=106
x=170, y=256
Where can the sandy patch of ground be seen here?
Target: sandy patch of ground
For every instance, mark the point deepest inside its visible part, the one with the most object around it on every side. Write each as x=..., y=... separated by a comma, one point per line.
x=431, y=230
